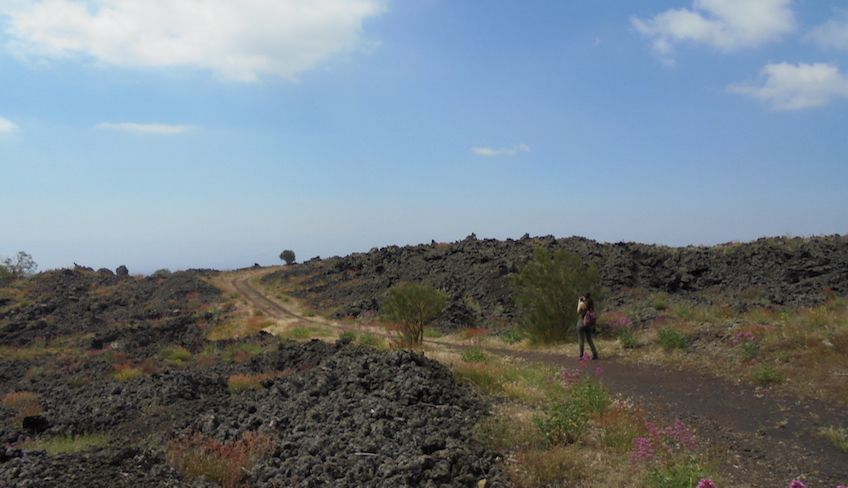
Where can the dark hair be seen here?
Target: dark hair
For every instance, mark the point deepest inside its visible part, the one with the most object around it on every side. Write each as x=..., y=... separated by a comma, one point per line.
x=590, y=304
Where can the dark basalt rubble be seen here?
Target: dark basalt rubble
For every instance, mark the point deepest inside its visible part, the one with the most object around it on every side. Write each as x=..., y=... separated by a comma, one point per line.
x=476, y=273
x=339, y=414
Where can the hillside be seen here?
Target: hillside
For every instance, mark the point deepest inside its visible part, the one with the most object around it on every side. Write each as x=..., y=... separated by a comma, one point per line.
x=476, y=273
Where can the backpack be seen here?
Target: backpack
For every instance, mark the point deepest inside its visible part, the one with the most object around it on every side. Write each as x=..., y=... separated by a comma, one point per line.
x=589, y=319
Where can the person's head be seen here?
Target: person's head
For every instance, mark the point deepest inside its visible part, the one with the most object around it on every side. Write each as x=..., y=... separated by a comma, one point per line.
x=587, y=297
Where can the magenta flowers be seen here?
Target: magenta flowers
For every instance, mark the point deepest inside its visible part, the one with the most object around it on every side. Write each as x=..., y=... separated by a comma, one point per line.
x=706, y=483
x=797, y=484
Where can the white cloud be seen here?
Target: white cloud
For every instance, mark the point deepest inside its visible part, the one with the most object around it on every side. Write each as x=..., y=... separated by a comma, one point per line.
x=7, y=126
x=492, y=152
x=787, y=86
x=725, y=24
x=833, y=33
x=241, y=40
x=137, y=128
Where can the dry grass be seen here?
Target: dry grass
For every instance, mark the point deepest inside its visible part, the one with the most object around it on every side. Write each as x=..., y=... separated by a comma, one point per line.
x=243, y=382
x=127, y=372
x=68, y=444
x=24, y=403
x=803, y=350
x=224, y=463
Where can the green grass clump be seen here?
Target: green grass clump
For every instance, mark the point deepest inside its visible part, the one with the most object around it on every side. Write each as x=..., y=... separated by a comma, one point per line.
x=175, y=355
x=838, y=436
x=671, y=339
x=512, y=336
x=127, y=373
x=628, y=339
x=474, y=355
x=367, y=339
x=682, y=474
x=765, y=374
x=659, y=302
x=563, y=422
x=432, y=333
x=306, y=333
x=347, y=336
x=68, y=444
x=749, y=350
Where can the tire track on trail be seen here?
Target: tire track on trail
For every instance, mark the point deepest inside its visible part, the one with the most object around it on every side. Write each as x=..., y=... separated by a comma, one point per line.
x=766, y=438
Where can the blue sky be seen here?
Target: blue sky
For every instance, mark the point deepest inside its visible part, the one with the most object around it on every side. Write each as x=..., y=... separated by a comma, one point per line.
x=184, y=133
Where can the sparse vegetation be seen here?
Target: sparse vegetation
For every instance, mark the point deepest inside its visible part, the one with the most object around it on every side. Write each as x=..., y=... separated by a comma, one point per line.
x=546, y=292
x=765, y=374
x=24, y=403
x=68, y=444
x=671, y=339
x=474, y=355
x=224, y=463
x=411, y=306
x=838, y=436
x=175, y=355
x=126, y=372
x=22, y=265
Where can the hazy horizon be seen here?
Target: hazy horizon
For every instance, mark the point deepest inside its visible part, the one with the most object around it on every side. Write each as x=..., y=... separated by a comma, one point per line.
x=215, y=137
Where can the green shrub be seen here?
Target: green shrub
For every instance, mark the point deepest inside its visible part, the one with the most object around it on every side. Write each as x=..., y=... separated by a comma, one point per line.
x=368, y=339
x=563, y=422
x=671, y=339
x=659, y=301
x=591, y=396
x=512, y=336
x=432, y=333
x=749, y=350
x=474, y=355
x=765, y=374
x=175, y=355
x=838, y=436
x=546, y=292
x=411, y=306
x=347, y=336
x=628, y=339
x=681, y=474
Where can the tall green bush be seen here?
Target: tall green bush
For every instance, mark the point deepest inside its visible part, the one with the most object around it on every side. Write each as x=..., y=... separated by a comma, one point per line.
x=412, y=306
x=287, y=256
x=546, y=292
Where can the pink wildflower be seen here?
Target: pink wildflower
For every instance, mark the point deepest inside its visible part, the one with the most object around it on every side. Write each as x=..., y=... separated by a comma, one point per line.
x=706, y=483
x=599, y=371
x=797, y=484
x=643, y=450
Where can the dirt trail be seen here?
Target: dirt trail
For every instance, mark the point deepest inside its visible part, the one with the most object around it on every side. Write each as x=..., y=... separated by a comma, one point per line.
x=765, y=439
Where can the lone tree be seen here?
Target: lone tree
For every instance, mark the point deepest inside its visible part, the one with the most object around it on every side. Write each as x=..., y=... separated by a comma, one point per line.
x=287, y=256
x=546, y=292
x=23, y=265
x=412, y=306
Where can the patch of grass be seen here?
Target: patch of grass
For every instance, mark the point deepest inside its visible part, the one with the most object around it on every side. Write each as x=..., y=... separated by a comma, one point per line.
x=348, y=336
x=505, y=432
x=8, y=354
x=620, y=427
x=512, y=335
x=307, y=332
x=175, y=355
x=628, y=339
x=224, y=463
x=474, y=355
x=671, y=339
x=564, y=422
x=242, y=353
x=659, y=301
x=554, y=466
x=765, y=374
x=368, y=339
x=244, y=382
x=24, y=403
x=749, y=350
x=68, y=444
x=239, y=329
x=838, y=436
x=126, y=372
x=432, y=333
x=681, y=474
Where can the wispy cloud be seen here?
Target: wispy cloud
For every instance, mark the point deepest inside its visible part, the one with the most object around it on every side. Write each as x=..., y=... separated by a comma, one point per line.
x=137, y=128
x=7, y=126
x=725, y=24
x=833, y=33
x=494, y=152
x=787, y=86
x=240, y=41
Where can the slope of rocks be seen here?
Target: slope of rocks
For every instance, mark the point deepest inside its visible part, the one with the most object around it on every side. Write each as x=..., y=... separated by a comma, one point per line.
x=336, y=414
x=476, y=273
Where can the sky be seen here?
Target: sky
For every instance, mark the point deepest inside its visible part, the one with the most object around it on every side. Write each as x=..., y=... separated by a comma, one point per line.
x=211, y=133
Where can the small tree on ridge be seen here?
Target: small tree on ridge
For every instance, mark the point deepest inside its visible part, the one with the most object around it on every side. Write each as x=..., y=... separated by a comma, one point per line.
x=287, y=256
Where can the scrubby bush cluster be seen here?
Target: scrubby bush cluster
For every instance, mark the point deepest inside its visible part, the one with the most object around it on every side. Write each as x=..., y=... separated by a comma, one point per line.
x=411, y=306
x=546, y=292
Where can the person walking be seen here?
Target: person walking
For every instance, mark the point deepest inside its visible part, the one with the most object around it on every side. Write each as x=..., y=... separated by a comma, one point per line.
x=586, y=319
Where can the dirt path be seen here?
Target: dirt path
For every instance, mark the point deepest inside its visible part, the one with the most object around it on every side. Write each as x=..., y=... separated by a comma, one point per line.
x=765, y=439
